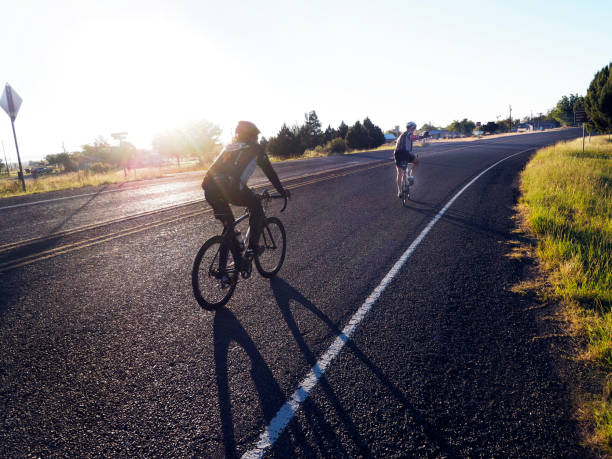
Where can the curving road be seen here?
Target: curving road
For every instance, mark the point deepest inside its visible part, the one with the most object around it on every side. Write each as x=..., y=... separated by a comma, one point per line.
x=106, y=353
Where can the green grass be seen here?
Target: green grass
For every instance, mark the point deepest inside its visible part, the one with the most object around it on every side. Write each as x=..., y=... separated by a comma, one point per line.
x=567, y=202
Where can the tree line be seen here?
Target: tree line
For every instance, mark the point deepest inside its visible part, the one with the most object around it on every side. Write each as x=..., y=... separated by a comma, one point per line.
x=295, y=140
x=201, y=139
x=597, y=104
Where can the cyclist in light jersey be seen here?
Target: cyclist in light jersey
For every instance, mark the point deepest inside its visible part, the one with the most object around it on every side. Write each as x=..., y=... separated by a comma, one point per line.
x=403, y=155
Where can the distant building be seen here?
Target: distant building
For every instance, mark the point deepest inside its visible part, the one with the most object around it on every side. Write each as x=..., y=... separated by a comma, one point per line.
x=542, y=125
x=442, y=134
x=390, y=138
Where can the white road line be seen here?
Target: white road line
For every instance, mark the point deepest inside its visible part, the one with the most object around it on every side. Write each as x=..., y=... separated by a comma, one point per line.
x=277, y=425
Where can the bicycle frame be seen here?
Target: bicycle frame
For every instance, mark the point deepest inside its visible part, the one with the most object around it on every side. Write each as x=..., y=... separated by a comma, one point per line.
x=229, y=233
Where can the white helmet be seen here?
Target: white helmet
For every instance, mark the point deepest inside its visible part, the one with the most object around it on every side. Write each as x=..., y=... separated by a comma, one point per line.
x=411, y=125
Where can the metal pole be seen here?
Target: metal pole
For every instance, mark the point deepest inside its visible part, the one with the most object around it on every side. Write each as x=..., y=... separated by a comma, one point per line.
x=583, y=138
x=510, y=106
x=9, y=99
x=8, y=169
x=18, y=157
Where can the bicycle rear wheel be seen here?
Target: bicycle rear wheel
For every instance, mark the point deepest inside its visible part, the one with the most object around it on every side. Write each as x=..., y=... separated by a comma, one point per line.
x=212, y=285
x=273, y=241
x=406, y=191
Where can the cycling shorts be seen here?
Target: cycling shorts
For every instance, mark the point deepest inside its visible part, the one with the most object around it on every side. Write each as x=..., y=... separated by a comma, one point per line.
x=403, y=160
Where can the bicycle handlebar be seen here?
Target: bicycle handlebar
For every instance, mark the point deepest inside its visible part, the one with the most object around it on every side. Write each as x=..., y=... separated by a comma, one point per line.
x=266, y=195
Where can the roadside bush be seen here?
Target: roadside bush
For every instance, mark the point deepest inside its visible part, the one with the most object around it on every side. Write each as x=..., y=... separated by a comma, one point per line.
x=100, y=168
x=336, y=146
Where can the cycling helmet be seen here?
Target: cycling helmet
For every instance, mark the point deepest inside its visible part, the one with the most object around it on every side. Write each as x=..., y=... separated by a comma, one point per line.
x=246, y=128
x=411, y=125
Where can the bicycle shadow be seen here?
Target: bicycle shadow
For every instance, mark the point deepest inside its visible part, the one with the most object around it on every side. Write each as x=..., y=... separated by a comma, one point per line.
x=227, y=331
x=285, y=296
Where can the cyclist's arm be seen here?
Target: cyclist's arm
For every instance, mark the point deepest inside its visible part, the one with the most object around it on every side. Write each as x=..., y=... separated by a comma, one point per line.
x=264, y=162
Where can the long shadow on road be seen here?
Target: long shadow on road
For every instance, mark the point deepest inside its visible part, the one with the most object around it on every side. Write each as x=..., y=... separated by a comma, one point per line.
x=286, y=295
x=50, y=239
x=228, y=330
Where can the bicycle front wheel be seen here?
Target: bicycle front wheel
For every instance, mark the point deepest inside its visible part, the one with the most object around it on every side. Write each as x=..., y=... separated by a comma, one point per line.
x=273, y=241
x=213, y=284
x=406, y=196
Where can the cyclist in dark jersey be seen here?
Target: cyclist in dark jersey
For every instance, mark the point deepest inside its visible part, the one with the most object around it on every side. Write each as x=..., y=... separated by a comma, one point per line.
x=225, y=182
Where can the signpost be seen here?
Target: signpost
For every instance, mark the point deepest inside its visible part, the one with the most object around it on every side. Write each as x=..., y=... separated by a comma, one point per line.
x=8, y=169
x=11, y=102
x=580, y=116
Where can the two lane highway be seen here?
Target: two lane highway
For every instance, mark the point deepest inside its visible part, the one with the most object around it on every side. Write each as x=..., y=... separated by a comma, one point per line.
x=106, y=353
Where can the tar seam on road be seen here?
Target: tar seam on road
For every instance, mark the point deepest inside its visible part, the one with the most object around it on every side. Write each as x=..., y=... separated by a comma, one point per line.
x=40, y=256
x=277, y=425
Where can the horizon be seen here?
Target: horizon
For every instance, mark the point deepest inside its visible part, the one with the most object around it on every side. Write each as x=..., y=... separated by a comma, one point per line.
x=83, y=71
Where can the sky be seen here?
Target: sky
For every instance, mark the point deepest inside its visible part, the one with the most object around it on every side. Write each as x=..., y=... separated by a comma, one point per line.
x=86, y=69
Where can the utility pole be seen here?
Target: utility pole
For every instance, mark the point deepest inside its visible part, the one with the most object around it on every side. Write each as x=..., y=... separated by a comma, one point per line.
x=510, y=118
x=8, y=169
x=540, y=121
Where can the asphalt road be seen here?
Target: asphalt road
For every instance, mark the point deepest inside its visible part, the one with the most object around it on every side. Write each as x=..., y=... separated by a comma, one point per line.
x=106, y=353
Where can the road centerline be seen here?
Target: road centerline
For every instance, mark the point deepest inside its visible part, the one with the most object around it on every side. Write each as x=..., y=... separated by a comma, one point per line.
x=286, y=413
x=88, y=242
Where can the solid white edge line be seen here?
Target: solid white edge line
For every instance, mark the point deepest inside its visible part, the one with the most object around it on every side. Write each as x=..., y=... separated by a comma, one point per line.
x=284, y=415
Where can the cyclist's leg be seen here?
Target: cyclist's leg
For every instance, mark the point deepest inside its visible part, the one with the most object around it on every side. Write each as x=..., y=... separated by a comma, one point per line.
x=222, y=211
x=246, y=197
x=401, y=172
x=400, y=178
x=415, y=163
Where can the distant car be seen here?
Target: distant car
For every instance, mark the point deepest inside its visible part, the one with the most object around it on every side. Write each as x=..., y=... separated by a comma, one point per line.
x=41, y=171
x=523, y=127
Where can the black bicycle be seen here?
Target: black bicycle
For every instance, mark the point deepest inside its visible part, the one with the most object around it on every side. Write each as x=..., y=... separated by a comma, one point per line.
x=223, y=258
x=406, y=183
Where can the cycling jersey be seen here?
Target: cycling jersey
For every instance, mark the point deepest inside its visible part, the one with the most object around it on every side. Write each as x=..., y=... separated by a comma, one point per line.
x=226, y=180
x=403, y=149
x=236, y=164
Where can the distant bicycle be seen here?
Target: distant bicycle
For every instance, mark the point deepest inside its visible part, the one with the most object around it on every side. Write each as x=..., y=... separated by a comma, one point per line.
x=222, y=258
x=407, y=182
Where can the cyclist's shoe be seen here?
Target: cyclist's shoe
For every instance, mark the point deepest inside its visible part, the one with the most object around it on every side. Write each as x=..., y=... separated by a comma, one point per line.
x=225, y=281
x=251, y=252
x=399, y=194
x=410, y=180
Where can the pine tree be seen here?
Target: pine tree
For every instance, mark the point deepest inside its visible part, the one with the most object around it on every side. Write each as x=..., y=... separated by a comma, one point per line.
x=375, y=134
x=357, y=136
x=598, y=100
x=286, y=143
x=330, y=133
x=311, y=132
